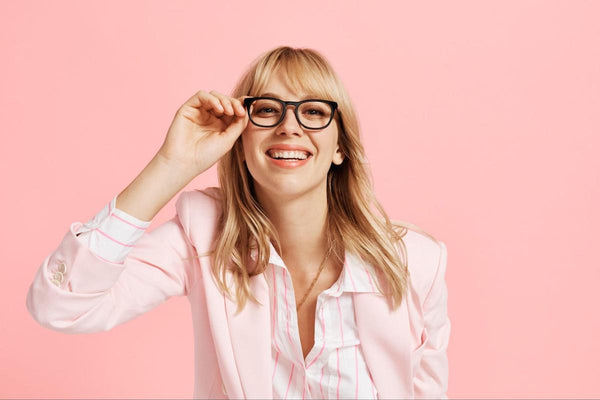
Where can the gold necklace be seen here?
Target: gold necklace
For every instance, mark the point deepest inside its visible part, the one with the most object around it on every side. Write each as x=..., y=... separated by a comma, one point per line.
x=316, y=277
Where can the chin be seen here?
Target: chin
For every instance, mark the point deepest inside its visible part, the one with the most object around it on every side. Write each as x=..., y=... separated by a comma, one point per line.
x=281, y=187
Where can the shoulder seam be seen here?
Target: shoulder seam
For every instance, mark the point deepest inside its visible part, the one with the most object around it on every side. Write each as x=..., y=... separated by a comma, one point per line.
x=414, y=228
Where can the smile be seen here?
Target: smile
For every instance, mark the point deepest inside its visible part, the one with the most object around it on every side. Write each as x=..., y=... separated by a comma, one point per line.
x=289, y=159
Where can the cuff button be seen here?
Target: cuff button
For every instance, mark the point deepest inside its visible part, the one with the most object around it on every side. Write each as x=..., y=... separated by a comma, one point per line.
x=62, y=267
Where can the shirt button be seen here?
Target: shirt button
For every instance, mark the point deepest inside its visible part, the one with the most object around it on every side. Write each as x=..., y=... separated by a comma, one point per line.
x=57, y=283
x=62, y=267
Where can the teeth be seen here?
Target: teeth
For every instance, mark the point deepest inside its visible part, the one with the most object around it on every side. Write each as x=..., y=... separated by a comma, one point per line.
x=288, y=154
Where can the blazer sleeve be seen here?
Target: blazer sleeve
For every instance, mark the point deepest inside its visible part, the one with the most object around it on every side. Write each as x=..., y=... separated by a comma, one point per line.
x=95, y=294
x=431, y=379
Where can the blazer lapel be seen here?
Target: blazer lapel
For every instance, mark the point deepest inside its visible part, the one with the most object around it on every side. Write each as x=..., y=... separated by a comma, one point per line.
x=251, y=342
x=386, y=343
x=219, y=326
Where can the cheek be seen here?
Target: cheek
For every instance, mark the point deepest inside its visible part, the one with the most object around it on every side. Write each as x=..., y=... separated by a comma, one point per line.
x=327, y=147
x=250, y=153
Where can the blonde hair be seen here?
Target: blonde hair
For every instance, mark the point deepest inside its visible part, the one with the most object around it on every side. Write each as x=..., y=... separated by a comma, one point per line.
x=243, y=225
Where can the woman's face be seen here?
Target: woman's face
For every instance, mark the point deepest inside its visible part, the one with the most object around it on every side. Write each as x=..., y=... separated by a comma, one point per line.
x=276, y=180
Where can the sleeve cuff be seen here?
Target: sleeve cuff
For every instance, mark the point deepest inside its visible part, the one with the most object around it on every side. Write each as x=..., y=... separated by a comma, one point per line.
x=112, y=233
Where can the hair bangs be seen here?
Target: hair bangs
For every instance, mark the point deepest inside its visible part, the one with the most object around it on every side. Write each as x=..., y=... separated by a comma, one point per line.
x=304, y=74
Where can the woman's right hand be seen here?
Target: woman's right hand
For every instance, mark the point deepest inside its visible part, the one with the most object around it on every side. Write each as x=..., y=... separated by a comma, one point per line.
x=204, y=128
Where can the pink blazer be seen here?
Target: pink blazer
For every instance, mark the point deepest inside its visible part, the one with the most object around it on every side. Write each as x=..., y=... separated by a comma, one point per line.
x=405, y=350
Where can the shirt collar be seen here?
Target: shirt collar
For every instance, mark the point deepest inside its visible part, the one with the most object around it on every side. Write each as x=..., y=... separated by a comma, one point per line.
x=357, y=275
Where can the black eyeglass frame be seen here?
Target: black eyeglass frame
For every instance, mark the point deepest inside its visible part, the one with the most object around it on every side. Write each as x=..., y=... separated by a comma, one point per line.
x=296, y=104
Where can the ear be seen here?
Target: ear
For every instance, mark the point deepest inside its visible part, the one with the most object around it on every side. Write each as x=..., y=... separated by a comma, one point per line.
x=338, y=157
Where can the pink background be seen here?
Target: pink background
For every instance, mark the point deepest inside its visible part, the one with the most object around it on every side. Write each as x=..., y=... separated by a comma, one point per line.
x=481, y=121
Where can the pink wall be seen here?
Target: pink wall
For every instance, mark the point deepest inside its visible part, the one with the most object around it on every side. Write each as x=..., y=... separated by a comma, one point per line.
x=481, y=122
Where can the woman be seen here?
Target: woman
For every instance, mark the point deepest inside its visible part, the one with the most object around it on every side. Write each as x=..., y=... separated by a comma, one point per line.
x=342, y=302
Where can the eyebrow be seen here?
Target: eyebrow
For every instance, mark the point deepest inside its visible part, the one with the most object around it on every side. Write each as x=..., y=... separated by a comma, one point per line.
x=269, y=94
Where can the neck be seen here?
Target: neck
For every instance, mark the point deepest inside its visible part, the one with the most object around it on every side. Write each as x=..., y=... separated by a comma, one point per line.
x=301, y=223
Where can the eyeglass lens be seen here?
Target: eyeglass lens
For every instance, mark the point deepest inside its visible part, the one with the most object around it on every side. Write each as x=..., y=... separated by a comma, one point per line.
x=313, y=114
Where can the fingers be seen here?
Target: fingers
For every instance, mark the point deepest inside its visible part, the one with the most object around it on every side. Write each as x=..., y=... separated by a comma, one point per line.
x=218, y=104
x=231, y=106
x=202, y=99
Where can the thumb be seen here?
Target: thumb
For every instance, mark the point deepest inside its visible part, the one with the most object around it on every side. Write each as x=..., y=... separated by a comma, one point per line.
x=237, y=126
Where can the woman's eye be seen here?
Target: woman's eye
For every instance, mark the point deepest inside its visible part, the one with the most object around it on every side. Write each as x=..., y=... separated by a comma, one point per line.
x=317, y=111
x=265, y=108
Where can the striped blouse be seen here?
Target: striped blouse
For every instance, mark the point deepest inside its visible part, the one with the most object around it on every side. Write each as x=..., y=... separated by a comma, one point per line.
x=334, y=368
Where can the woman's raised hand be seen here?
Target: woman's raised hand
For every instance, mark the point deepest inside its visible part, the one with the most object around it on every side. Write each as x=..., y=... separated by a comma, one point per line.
x=204, y=128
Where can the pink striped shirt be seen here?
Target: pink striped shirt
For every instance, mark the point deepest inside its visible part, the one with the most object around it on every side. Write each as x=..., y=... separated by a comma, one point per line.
x=333, y=369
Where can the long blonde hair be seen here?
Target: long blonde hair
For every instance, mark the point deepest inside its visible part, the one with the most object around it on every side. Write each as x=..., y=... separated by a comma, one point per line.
x=243, y=225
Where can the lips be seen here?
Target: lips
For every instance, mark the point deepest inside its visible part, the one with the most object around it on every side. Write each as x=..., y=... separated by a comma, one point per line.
x=288, y=147
x=288, y=163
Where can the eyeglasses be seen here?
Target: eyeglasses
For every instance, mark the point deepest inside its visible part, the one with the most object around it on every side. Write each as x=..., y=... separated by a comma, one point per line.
x=267, y=112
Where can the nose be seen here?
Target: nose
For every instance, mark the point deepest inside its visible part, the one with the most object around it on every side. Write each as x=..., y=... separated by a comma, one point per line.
x=289, y=124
